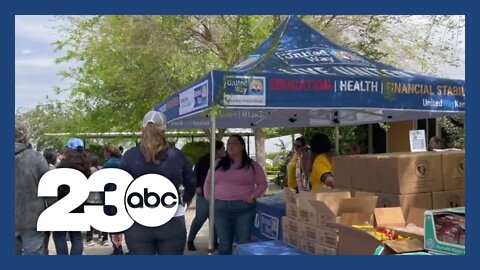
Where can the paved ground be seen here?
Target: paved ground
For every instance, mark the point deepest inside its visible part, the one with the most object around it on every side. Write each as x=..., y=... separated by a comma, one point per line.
x=201, y=241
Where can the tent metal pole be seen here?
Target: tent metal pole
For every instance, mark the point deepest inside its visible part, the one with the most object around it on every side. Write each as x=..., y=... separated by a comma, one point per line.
x=211, y=219
x=337, y=132
x=438, y=128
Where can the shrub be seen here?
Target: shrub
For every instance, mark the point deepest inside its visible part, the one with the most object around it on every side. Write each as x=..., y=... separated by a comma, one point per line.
x=195, y=150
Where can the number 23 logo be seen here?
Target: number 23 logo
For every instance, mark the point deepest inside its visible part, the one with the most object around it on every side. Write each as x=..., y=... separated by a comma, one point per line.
x=58, y=217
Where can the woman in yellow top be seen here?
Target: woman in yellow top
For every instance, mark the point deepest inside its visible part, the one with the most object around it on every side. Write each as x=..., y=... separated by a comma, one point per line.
x=291, y=172
x=297, y=168
x=321, y=174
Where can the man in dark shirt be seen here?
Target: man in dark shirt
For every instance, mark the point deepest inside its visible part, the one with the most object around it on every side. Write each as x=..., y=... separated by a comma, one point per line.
x=202, y=205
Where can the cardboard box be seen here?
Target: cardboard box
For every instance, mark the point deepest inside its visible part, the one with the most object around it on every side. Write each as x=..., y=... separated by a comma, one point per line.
x=448, y=199
x=406, y=202
x=326, y=236
x=324, y=250
x=453, y=169
x=408, y=173
x=365, y=173
x=362, y=193
x=445, y=230
x=393, y=218
x=290, y=195
x=291, y=225
x=292, y=203
x=292, y=209
x=308, y=246
x=342, y=170
x=313, y=248
x=353, y=241
x=291, y=239
x=350, y=210
x=308, y=214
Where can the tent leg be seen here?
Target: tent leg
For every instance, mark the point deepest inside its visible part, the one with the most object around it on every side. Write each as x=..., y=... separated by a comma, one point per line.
x=336, y=140
x=370, y=138
x=211, y=219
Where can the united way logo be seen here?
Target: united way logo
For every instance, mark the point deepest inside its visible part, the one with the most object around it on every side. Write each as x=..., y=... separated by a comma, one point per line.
x=314, y=56
x=256, y=87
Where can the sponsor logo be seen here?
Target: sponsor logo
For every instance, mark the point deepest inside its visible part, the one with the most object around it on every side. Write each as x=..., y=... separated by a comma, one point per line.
x=150, y=200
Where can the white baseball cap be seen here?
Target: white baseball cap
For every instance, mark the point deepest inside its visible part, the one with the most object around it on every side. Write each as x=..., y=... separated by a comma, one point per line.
x=156, y=118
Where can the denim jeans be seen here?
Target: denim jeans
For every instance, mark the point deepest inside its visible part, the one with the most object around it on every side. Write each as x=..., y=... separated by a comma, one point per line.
x=168, y=239
x=201, y=215
x=29, y=242
x=233, y=220
x=60, y=240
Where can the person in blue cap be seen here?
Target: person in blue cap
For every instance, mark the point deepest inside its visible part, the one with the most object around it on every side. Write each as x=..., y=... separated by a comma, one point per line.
x=75, y=158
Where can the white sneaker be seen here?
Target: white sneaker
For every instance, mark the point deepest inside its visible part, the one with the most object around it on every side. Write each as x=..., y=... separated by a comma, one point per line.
x=90, y=243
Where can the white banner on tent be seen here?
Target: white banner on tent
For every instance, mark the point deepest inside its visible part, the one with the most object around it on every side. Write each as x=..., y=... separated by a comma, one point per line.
x=194, y=98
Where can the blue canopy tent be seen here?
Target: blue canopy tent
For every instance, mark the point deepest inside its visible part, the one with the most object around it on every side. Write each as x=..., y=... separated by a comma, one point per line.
x=298, y=78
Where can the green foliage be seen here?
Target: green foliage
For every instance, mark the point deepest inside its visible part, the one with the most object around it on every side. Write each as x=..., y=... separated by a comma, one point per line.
x=50, y=117
x=121, y=66
x=195, y=150
x=454, y=127
x=347, y=135
x=272, y=168
x=97, y=150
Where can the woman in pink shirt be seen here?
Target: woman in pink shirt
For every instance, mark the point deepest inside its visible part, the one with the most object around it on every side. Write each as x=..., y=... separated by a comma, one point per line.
x=239, y=180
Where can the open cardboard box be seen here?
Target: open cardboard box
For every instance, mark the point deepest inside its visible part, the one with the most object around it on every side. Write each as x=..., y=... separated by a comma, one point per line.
x=308, y=213
x=353, y=241
x=392, y=218
x=348, y=211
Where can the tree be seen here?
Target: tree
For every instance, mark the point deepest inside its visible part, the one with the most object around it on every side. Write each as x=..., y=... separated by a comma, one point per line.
x=123, y=65
x=50, y=117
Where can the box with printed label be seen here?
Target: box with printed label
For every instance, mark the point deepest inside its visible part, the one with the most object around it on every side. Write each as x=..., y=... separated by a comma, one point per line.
x=291, y=239
x=325, y=235
x=408, y=173
x=453, y=170
x=448, y=199
x=445, y=230
x=406, y=202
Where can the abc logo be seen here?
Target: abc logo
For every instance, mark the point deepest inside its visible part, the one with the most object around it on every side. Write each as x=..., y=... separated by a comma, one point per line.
x=151, y=200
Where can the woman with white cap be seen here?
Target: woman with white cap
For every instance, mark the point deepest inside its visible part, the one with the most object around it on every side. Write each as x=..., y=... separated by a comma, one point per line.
x=155, y=156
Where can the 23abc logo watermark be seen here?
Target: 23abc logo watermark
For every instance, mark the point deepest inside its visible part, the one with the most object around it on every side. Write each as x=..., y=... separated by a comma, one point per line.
x=150, y=200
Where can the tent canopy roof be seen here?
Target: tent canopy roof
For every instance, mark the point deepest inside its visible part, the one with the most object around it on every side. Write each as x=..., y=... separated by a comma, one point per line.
x=298, y=78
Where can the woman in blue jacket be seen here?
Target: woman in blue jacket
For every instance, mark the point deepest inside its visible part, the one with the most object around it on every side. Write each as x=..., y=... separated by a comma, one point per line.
x=155, y=156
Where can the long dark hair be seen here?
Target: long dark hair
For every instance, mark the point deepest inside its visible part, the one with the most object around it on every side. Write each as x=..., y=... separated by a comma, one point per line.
x=226, y=161
x=320, y=144
x=80, y=159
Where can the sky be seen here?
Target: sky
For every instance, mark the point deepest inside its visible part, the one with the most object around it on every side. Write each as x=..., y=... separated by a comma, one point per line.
x=35, y=68
x=36, y=71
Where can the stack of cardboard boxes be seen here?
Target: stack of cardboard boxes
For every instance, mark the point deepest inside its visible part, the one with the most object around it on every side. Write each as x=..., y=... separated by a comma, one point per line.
x=309, y=224
x=429, y=180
